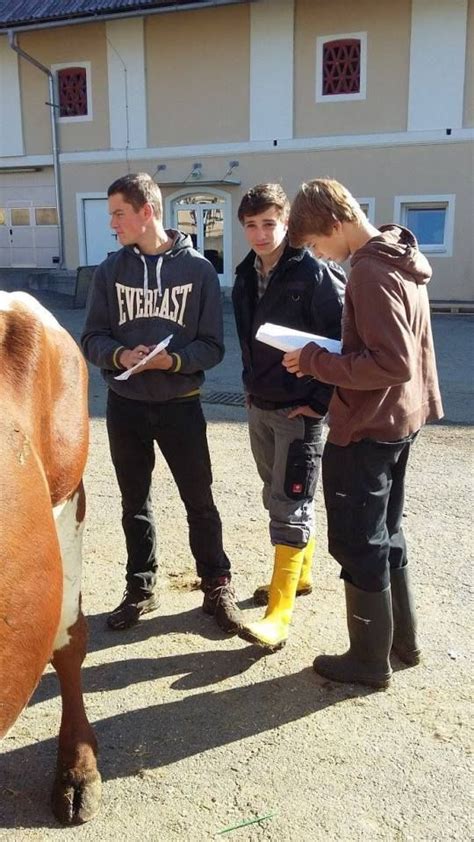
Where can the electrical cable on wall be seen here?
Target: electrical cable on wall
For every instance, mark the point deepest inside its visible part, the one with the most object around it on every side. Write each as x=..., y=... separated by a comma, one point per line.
x=127, y=121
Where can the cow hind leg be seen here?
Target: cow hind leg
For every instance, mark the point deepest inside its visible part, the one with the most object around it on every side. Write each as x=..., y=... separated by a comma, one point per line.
x=77, y=787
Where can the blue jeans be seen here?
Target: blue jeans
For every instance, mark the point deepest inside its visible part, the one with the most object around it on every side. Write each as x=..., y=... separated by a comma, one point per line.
x=179, y=428
x=364, y=492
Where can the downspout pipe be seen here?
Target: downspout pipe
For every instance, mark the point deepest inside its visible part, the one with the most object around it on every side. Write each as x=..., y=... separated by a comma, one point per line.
x=54, y=137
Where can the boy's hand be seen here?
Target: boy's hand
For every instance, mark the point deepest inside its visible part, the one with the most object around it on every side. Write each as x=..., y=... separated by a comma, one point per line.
x=291, y=361
x=162, y=362
x=131, y=356
x=304, y=410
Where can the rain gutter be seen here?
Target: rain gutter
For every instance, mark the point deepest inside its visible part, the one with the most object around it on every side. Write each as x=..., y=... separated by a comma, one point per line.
x=54, y=138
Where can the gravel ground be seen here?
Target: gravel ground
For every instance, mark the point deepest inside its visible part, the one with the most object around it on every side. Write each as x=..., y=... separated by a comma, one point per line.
x=199, y=732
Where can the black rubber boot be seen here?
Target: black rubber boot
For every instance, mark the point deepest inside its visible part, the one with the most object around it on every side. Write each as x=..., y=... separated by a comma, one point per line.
x=370, y=627
x=404, y=618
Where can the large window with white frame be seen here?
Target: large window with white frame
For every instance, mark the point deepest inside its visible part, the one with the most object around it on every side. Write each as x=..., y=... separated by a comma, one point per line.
x=341, y=67
x=431, y=219
x=73, y=91
x=206, y=218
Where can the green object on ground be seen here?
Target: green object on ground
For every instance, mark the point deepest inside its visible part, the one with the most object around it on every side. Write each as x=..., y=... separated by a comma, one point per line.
x=244, y=824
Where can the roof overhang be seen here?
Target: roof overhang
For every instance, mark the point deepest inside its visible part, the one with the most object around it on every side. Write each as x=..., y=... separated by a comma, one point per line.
x=96, y=16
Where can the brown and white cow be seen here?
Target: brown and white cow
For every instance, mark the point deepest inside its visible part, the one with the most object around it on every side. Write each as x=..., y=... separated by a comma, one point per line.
x=43, y=449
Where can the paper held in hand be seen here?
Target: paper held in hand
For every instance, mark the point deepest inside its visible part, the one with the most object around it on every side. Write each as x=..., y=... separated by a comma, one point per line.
x=288, y=339
x=156, y=350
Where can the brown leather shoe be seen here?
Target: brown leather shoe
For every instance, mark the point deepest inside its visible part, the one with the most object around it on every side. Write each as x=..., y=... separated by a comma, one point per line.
x=130, y=610
x=220, y=602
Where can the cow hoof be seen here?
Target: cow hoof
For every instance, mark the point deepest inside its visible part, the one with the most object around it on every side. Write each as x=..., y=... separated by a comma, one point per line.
x=76, y=796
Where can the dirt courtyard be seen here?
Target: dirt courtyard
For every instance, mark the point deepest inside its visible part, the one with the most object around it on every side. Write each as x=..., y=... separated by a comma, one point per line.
x=199, y=732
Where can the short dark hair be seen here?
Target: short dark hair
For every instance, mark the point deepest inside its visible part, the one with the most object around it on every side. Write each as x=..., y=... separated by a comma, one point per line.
x=260, y=198
x=137, y=189
x=317, y=206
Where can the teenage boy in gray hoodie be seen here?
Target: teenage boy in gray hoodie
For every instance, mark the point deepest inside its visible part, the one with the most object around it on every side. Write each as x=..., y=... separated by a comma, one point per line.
x=158, y=285
x=386, y=390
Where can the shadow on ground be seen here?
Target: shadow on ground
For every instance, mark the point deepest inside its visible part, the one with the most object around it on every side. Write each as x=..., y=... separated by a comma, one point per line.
x=139, y=740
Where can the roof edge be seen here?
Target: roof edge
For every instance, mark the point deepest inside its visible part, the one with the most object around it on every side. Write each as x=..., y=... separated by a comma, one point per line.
x=96, y=17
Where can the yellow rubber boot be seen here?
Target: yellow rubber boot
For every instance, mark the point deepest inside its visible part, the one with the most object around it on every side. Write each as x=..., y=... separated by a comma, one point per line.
x=305, y=584
x=272, y=632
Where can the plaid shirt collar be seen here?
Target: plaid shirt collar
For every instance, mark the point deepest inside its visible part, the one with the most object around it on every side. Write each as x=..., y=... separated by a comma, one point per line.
x=264, y=279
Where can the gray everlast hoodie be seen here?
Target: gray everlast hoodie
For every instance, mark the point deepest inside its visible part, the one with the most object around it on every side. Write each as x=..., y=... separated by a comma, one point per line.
x=135, y=300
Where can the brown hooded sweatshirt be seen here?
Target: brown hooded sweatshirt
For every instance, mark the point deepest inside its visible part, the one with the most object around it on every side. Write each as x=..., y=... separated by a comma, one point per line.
x=386, y=380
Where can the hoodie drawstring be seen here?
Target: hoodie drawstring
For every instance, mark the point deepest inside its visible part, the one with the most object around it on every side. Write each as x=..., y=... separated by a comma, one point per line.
x=159, y=263
x=158, y=274
x=145, y=272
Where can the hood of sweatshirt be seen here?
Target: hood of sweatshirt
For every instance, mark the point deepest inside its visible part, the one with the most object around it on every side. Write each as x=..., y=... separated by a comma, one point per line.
x=397, y=247
x=181, y=243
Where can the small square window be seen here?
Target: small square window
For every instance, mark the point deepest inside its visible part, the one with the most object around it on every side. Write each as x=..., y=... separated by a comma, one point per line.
x=72, y=87
x=3, y=216
x=341, y=67
x=431, y=220
x=428, y=224
x=46, y=216
x=73, y=91
x=368, y=206
x=20, y=216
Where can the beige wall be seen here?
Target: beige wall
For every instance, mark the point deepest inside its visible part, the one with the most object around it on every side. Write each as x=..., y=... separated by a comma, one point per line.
x=198, y=76
x=57, y=46
x=380, y=173
x=86, y=178
x=469, y=83
x=388, y=59
x=383, y=174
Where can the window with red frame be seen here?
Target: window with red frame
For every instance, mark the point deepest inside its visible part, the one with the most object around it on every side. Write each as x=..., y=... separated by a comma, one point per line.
x=72, y=87
x=341, y=67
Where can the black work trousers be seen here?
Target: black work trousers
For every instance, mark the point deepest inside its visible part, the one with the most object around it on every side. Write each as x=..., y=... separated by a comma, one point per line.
x=179, y=429
x=364, y=492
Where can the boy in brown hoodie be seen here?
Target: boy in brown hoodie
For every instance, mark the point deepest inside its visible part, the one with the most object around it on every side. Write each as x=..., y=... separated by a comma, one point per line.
x=386, y=389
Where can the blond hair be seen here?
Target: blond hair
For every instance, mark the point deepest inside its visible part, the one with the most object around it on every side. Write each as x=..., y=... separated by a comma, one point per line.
x=317, y=206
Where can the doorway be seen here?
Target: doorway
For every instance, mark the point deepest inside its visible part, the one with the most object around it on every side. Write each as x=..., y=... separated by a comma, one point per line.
x=96, y=239
x=206, y=218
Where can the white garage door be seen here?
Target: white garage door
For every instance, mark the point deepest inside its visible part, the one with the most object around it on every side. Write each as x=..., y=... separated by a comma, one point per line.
x=100, y=240
x=28, y=235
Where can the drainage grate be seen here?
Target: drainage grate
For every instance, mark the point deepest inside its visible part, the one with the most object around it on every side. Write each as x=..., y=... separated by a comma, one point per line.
x=225, y=398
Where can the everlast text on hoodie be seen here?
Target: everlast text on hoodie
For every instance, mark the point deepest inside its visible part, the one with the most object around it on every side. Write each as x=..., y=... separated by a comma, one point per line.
x=137, y=300
x=386, y=380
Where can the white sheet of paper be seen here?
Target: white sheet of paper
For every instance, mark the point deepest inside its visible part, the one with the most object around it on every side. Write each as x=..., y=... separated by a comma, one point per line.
x=288, y=339
x=160, y=347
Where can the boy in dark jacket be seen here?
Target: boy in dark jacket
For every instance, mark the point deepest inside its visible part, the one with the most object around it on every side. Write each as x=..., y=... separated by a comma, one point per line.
x=386, y=389
x=158, y=285
x=287, y=286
